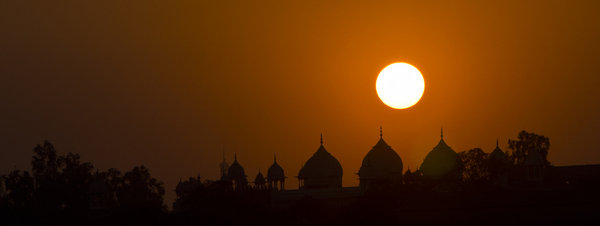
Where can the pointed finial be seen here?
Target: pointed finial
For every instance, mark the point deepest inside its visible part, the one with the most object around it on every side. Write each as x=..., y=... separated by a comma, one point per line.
x=380, y=132
x=321, y=138
x=496, y=142
x=235, y=156
x=442, y=132
x=274, y=158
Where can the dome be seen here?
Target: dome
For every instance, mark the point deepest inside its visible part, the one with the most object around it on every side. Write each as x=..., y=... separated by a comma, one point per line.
x=498, y=155
x=440, y=161
x=260, y=179
x=275, y=171
x=236, y=170
x=321, y=164
x=381, y=162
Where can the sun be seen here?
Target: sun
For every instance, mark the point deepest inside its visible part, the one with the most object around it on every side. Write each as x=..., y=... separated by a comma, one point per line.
x=400, y=85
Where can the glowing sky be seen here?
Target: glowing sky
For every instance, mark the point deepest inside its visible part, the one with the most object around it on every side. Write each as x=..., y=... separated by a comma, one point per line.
x=169, y=84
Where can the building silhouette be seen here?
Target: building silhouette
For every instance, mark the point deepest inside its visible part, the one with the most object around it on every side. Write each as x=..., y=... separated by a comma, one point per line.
x=237, y=176
x=321, y=171
x=441, y=163
x=276, y=176
x=381, y=168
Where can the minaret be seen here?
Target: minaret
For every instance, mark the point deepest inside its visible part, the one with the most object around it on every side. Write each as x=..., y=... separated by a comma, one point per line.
x=223, y=166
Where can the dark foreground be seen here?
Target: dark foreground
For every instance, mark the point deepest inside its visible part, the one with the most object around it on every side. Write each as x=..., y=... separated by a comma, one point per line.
x=490, y=207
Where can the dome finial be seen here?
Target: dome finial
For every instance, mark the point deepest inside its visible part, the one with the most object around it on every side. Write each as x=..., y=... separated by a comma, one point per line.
x=274, y=158
x=321, y=138
x=235, y=156
x=442, y=132
x=380, y=132
x=496, y=142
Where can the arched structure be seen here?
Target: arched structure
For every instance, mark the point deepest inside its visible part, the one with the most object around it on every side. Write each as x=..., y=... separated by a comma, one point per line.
x=275, y=176
x=381, y=168
x=321, y=171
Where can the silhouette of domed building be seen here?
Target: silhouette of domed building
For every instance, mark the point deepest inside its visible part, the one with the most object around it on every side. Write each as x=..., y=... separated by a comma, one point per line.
x=381, y=168
x=498, y=166
x=321, y=171
x=441, y=162
x=236, y=175
x=275, y=176
x=259, y=181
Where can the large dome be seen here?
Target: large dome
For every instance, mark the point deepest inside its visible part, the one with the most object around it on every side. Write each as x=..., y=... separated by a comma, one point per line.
x=381, y=162
x=321, y=164
x=275, y=171
x=440, y=161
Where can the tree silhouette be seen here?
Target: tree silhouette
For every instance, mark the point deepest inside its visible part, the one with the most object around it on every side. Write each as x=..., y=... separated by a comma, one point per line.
x=474, y=165
x=526, y=143
x=140, y=191
x=58, y=192
x=19, y=189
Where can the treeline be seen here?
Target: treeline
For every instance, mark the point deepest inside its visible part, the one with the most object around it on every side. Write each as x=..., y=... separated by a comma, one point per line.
x=478, y=167
x=60, y=189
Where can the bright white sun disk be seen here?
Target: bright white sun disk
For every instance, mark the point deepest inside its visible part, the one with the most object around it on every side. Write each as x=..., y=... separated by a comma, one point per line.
x=400, y=85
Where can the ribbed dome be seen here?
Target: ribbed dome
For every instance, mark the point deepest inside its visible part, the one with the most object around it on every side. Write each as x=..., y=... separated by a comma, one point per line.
x=440, y=161
x=381, y=162
x=236, y=170
x=260, y=179
x=275, y=171
x=321, y=164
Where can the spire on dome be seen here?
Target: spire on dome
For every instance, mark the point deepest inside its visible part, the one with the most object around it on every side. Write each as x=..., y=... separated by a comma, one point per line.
x=496, y=142
x=235, y=156
x=380, y=132
x=321, y=138
x=274, y=158
x=442, y=133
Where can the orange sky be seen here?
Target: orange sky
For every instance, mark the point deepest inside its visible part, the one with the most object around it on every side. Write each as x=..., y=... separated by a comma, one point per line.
x=168, y=85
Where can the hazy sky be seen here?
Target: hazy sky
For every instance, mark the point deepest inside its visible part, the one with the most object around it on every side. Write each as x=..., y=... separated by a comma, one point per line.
x=169, y=84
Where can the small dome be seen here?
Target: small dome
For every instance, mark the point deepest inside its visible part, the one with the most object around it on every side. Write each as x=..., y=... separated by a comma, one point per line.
x=275, y=171
x=534, y=158
x=260, y=179
x=236, y=170
x=381, y=162
x=440, y=161
x=321, y=164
